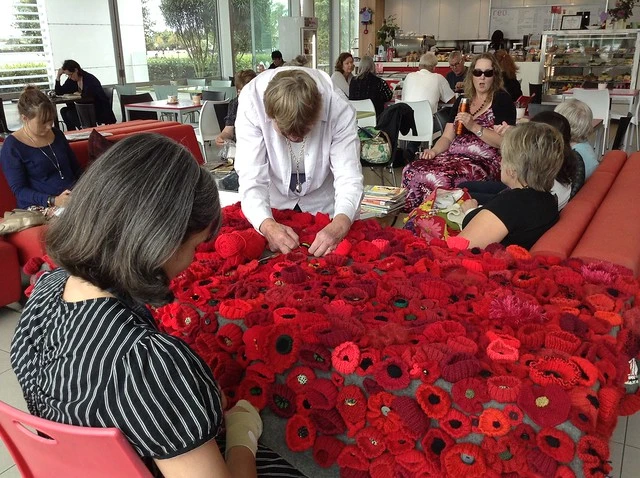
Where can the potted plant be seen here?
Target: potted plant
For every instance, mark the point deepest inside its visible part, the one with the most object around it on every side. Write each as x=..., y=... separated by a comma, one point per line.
x=387, y=31
x=621, y=12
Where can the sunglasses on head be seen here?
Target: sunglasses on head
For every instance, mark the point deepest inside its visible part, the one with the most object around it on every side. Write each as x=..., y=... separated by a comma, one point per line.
x=479, y=73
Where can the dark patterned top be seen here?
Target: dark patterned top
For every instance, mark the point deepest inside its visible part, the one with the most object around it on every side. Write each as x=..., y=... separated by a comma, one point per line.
x=370, y=87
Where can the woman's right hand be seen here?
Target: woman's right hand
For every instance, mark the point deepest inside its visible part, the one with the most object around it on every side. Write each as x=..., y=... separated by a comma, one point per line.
x=244, y=426
x=62, y=199
x=428, y=154
x=281, y=238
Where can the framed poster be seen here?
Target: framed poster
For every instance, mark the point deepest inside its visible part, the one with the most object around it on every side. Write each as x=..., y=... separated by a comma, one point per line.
x=571, y=22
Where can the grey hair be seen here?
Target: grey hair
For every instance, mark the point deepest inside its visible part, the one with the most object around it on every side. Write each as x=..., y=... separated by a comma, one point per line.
x=580, y=118
x=366, y=66
x=130, y=212
x=455, y=54
x=428, y=61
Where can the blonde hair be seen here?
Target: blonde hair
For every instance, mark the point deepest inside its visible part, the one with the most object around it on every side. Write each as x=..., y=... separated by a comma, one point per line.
x=293, y=100
x=580, y=119
x=34, y=103
x=535, y=151
x=243, y=77
x=496, y=85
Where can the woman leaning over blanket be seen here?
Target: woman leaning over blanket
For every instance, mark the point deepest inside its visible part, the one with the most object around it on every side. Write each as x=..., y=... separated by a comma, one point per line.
x=473, y=155
x=532, y=155
x=136, y=217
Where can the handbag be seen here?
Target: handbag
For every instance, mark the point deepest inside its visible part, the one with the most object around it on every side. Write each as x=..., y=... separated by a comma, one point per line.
x=375, y=145
x=20, y=219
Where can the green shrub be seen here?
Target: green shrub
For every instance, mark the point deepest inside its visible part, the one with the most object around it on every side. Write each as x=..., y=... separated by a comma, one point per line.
x=168, y=68
x=9, y=72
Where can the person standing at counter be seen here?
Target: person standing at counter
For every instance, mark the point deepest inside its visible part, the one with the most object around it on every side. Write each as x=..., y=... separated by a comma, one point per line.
x=424, y=84
x=89, y=86
x=497, y=41
x=297, y=149
x=458, y=71
x=344, y=73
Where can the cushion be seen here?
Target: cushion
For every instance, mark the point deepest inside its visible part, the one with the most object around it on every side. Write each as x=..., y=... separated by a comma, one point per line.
x=96, y=145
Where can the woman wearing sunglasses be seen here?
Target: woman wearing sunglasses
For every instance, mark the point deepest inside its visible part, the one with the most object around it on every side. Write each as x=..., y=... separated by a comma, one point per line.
x=473, y=155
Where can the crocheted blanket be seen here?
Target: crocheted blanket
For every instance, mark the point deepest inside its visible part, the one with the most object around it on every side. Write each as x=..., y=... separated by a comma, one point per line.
x=392, y=357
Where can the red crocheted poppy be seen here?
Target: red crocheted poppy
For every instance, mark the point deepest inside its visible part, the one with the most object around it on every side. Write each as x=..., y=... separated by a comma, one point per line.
x=513, y=414
x=594, y=454
x=328, y=422
x=456, y=423
x=434, y=444
x=230, y=337
x=352, y=406
x=286, y=315
x=541, y=463
x=254, y=389
x=383, y=466
x=282, y=345
x=600, y=302
x=364, y=251
x=442, y=330
x=532, y=336
x=504, y=455
x=321, y=394
x=525, y=435
x=299, y=377
x=524, y=279
x=415, y=422
x=368, y=359
x=562, y=342
x=352, y=457
x=371, y=442
x=547, y=406
x=300, y=433
x=435, y=401
x=412, y=461
x=427, y=371
x=326, y=450
x=392, y=374
x=499, y=351
x=282, y=400
x=346, y=357
x=293, y=274
x=504, y=389
x=554, y=370
x=582, y=420
x=456, y=367
x=228, y=372
x=255, y=341
x=234, y=309
x=464, y=459
x=399, y=442
x=379, y=412
x=462, y=344
x=261, y=370
x=469, y=394
x=556, y=443
x=315, y=356
x=493, y=423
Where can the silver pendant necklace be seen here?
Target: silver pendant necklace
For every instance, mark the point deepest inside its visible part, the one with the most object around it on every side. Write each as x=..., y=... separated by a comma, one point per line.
x=297, y=159
x=56, y=163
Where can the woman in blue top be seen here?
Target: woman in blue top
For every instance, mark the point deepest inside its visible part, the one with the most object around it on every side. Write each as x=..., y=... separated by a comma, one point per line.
x=580, y=119
x=37, y=161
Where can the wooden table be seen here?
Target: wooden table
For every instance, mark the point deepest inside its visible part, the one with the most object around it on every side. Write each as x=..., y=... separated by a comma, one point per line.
x=179, y=108
x=63, y=99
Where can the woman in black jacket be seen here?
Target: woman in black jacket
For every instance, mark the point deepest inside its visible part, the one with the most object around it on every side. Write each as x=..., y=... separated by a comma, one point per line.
x=367, y=86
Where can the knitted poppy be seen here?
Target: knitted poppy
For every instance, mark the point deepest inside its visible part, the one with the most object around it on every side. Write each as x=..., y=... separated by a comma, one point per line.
x=254, y=390
x=464, y=459
x=524, y=279
x=427, y=371
x=383, y=466
x=371, y=442
x=504, y=454
x=462, y=344
x=282, y=347
x=321, y=394
x=379, y=412
x=352, y=457
x=435, y=401
x=328, y=422
x=547, y=406
x=292, y=274
x=255, y=341
x=564, y=471
x=346, y=357
x=412, y=460
x=230, y=337
x=600, y=302
x=352, y=406
x=499, y=351
x=368, y=359
x=458, y=366
x=504, y=389
x=541, y=463
x=582, y=420
x=399, y=442
x=326, y=450
x=525, y=435
x=562, y=342
x=442, y=330
x=234, y=309
x=532, y=336
x=493, y=422
x=513, y=414
x=315, y=356
x=228, y=372
x=556, y=443
x=594, y=454
x=416, y=423
x=456, y=423
x=286, y=315
x=434, y=444
x=469, y=394
x=282, y=400
x=554, y=370
x=300, y=433
x=610, y=398
x=299, y=377
x=392, y=374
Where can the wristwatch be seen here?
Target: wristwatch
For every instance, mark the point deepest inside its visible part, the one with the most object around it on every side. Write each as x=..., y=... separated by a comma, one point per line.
x=480, y=132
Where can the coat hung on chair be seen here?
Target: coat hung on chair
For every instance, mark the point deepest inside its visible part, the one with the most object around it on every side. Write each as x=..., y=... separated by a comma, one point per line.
x=396, y=119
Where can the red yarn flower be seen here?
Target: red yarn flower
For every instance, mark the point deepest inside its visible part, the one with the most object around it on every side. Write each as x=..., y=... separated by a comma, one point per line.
x=464, y=460
x=371, y=442
x=300, y=433
x=547, y=406
x=326, y=450
x=392, y=374
x=493, y=423
x=469, y=394
x=435, y=402
x=556, y=443
x=352, y=406
x=456, y=423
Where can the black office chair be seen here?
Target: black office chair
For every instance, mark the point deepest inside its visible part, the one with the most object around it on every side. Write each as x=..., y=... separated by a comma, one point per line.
x=86, y=115
x=535, y=108
x=137, y=115
x=623, y=126
x=4, y=129
x=108, y=90
x=213, y=95
x=535, y=91
x=221, y=109
x=233, y=80
x=440, y=119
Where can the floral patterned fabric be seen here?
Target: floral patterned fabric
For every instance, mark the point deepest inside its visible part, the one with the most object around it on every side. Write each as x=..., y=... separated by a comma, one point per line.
x=468, y=158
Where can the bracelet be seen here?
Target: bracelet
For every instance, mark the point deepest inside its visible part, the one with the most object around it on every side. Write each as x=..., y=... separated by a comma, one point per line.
x=51, y=201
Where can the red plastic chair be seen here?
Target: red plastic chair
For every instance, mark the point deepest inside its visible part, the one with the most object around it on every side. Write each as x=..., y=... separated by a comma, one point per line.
x=72, y=451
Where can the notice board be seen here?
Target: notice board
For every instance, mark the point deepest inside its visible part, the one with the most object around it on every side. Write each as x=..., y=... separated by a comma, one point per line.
x=515, y=22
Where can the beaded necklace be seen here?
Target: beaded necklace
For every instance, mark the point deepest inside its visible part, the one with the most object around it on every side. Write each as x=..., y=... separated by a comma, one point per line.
x=473, y=113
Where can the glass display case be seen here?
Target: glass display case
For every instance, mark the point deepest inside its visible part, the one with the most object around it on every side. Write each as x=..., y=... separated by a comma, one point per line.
x=576, y=58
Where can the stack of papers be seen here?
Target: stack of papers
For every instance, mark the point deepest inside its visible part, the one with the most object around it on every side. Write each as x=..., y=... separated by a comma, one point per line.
x=84, y=135
x=379, y=201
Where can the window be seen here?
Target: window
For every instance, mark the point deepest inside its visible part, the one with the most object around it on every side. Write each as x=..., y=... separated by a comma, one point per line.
x=348, y=25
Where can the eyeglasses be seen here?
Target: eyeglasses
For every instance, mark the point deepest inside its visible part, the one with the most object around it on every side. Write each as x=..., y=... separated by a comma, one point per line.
x=453, y=65
x=478, y=73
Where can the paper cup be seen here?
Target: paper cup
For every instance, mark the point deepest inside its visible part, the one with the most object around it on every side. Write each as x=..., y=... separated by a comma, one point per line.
x=197, y=99
x=520, y=112
x=172, y=99
x=602, y=86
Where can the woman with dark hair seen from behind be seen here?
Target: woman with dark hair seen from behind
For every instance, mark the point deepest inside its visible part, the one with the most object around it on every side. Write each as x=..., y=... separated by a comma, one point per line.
x=473, y=155
x=89, y=86
x=509, y=74
x=37, y=161
x=135, y=220
x=497, y=41
x=367, y=86
x=341, y=78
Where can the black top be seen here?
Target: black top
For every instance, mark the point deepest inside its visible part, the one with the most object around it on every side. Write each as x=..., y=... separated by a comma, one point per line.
x=370, y=87
x=526, y=213
x=512, y=85
x=452, y=78
x=103, y=363
x=502, y=106
x=232, y=112
x=91, y=92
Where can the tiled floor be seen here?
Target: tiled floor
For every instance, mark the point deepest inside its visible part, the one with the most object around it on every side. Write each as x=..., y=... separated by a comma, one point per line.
x=625, y=443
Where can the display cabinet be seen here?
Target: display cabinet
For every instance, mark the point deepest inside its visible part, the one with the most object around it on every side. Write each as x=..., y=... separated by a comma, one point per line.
x=575, y=58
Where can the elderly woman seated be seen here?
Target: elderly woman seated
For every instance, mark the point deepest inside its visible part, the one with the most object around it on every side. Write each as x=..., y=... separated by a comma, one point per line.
x=367, y=86
x=580, y=119
x=532, y=155
x=473, y=155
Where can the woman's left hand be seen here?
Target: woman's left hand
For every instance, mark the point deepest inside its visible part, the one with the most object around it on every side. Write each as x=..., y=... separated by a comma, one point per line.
x=330, y=236
x=467, y=120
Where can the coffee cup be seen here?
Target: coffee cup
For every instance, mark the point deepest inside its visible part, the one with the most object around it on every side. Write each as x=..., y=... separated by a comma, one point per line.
x=520, y=112
x=602, y=86
x=197, y=99
x=172, y=99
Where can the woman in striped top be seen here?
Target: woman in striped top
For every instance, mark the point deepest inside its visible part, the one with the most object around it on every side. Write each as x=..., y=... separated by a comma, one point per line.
x=86, y=350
